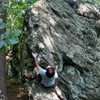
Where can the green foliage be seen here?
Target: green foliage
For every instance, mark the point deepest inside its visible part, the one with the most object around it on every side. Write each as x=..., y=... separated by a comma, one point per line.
x=15, y=16
x=18, y=7
x=1, y=21
x=9, y=38
x=2, y=26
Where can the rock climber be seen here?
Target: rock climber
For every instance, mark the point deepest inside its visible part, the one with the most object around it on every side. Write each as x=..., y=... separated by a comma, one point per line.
x=48, y=76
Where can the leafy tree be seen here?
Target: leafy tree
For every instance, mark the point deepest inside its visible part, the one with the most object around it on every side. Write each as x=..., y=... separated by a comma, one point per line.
x=15, y=11
x=15, y=18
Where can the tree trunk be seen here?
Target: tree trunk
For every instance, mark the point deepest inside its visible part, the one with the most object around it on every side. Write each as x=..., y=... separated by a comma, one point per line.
x=2, y=59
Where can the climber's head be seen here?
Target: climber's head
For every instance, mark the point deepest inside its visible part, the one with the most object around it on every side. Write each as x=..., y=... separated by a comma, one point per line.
x=50, y=71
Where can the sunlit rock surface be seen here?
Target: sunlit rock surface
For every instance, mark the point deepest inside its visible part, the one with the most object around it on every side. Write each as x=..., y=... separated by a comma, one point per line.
x=62, y=36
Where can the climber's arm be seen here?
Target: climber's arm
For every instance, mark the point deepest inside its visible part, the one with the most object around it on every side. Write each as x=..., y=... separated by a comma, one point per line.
x=56, y=68
x=37, y=64
x=36, y=61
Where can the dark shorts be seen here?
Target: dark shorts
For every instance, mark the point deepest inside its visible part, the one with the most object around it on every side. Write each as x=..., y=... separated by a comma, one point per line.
x=39, y=79
x=53, y=86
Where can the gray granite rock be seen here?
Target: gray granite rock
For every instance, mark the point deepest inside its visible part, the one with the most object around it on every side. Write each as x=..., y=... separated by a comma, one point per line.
x=63, y=37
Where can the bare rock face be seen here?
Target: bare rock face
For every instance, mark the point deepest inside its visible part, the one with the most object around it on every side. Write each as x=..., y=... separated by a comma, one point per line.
x=64, y=38
x=85, y=9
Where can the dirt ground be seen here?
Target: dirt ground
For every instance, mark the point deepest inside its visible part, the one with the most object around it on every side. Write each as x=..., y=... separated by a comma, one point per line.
x=15, y=91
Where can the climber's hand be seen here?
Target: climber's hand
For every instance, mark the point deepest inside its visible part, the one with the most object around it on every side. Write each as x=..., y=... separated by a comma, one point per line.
x=34, y=55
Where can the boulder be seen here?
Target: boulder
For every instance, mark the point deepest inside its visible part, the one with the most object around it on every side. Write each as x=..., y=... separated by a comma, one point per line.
x=64, y=38
x=86, y=9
